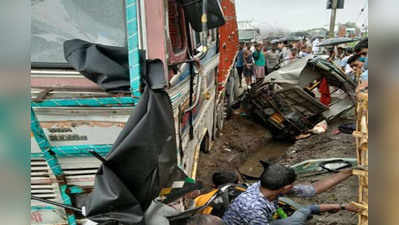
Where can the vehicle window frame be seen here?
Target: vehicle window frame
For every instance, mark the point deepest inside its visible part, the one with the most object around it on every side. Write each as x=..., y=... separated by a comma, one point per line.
x=181, y=27
x=66, y=65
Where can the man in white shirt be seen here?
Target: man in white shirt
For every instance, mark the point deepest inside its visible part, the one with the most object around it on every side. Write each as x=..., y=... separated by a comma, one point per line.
x=253, y=49
x=285, y=52
x=316, y=47
x=344, y=62
x=272, y=58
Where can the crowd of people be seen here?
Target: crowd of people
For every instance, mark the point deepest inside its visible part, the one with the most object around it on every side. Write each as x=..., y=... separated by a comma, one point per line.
x=257, y=60
x=352, y=61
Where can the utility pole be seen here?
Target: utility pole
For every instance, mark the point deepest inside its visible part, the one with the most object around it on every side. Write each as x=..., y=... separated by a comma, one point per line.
x=333, y=16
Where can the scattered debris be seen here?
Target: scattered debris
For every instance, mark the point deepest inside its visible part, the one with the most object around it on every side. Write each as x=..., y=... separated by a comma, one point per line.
x=327, y=146
x=347, y=128
x=303, y=136
x=320, y=128
x=227, y=150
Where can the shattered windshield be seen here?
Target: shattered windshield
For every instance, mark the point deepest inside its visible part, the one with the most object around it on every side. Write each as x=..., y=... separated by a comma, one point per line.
x=54, y=21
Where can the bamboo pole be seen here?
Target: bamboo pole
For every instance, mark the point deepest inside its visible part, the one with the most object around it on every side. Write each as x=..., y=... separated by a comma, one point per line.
x=361, y=135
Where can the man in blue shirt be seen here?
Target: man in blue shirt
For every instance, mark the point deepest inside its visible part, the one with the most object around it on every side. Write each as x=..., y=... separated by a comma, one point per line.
x=258, y=203
x=240, y=62
x=359, y=65
x=359, y=62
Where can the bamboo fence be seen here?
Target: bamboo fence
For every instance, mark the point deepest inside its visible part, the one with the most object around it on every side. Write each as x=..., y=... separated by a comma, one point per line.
x=361, y=135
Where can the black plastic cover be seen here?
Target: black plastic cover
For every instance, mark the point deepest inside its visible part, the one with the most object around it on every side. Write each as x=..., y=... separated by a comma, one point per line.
x=108, y=66
x=142, y=160
x=193, y=12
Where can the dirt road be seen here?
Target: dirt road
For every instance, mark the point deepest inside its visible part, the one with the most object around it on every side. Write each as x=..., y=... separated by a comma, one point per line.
x=242, y=143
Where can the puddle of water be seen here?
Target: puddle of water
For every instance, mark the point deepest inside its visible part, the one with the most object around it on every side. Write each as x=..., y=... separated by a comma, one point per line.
x=272, y=150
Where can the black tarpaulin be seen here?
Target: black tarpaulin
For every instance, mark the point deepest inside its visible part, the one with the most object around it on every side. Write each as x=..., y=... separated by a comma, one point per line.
x=336, y=41
x=108, y=66
x=193, y=12
x=142, y=160
x=112, y=202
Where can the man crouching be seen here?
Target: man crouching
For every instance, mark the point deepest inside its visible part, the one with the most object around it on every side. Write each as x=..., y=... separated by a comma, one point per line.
x=258, y=203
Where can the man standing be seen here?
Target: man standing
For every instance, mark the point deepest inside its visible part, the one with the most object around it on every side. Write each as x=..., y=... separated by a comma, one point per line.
x=240, y=61
x=294, y=53
x=285, y=52
x=258, y=204
x=260, y=63
x=331, y=54
x=253, y=47
x=248, y=66
x=315, y=48
x=300, y=44
x=272, y=58
x=340, y=53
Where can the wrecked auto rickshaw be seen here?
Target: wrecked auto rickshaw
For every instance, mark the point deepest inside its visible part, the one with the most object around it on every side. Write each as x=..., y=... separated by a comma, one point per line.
x=288, y=101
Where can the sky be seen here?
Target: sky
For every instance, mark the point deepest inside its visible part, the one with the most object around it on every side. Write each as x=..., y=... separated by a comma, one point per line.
x=294, y=15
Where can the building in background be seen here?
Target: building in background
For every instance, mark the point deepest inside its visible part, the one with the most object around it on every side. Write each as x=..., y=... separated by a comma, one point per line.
x=348, y=29
x=317, y=32
x=247, y=32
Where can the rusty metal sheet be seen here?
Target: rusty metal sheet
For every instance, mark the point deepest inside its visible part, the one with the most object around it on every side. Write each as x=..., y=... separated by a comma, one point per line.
x=228, y=42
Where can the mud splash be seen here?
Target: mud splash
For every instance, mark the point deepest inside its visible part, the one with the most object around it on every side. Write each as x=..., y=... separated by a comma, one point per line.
x=271, y=151
x=240, y=146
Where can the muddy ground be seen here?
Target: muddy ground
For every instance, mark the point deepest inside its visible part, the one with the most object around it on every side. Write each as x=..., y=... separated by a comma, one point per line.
x=243, y=142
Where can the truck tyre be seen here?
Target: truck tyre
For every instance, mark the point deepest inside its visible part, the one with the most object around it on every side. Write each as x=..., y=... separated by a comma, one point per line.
x=205, y=144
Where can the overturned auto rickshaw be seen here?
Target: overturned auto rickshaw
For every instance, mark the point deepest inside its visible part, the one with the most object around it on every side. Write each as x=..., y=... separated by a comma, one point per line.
x=304, y=92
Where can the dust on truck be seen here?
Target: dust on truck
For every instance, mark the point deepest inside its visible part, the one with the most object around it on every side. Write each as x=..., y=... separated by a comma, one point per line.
x=71, y=115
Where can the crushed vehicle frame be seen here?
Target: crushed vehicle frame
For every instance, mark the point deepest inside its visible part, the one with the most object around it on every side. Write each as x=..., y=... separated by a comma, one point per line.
x=286, y=101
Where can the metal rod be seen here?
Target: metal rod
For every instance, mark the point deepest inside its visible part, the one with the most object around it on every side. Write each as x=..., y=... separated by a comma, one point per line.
x=191, y=100
x=132, y=27
x=56, y=204
x=98, y=156
x=198, y=94
x=204, y=20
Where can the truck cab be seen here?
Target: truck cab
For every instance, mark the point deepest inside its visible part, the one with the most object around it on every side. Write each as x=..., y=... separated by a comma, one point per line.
x=73, y=115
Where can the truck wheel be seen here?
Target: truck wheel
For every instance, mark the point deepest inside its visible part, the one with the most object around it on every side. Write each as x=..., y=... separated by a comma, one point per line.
x=205, y=144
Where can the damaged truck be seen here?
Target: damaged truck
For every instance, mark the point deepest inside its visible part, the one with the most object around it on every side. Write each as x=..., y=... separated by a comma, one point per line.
x=88, y=61
x=294, y=98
